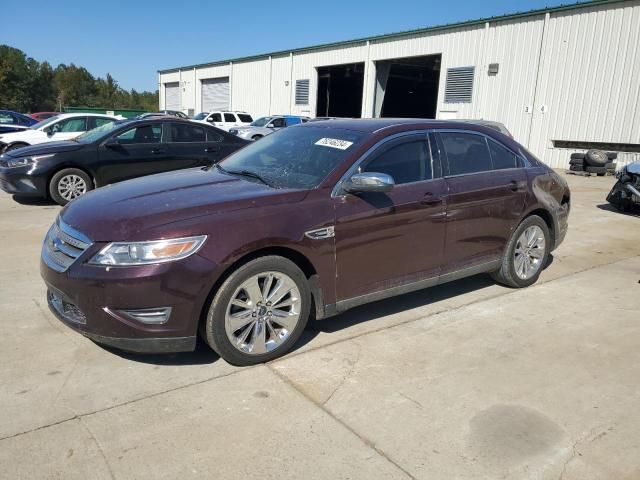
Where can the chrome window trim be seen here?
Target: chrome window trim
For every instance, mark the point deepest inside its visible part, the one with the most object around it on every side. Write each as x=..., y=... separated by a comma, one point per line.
x=337, y=189
x=525, y=161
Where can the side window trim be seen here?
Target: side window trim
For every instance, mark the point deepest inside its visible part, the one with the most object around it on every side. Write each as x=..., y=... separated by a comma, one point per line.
x=525, y=163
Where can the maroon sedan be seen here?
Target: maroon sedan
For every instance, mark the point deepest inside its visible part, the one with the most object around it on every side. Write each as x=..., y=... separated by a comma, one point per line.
x=306, y=223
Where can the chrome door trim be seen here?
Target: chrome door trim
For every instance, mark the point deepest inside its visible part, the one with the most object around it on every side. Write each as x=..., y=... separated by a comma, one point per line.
x=484, y=267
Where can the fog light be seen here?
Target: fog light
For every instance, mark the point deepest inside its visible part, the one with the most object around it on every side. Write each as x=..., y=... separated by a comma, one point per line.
x=150, y=316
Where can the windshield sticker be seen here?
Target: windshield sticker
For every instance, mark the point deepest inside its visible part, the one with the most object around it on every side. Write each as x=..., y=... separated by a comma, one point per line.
x=334, y=143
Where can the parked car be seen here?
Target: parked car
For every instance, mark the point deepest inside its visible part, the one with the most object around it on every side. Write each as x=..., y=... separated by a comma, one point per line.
x=39, y=116
x=61, y=127
x=266, y=126
x=172, y=113
x=326, y=215
x=111, y=153
x=224, y=120
x=14, y=122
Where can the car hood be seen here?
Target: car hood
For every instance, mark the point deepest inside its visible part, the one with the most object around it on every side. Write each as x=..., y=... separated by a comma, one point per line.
x=46, y=148
x=129, y=210
x=28, y=134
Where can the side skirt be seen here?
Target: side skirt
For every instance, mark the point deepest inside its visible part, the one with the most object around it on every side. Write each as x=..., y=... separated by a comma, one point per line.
x=343, y=305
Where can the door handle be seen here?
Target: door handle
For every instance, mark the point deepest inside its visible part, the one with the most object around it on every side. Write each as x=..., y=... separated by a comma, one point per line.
x=430, y=199
x=515, y=186
x=212, y=149
x=155, y=151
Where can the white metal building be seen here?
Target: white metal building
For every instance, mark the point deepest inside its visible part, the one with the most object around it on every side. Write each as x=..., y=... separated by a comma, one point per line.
x=562, y=79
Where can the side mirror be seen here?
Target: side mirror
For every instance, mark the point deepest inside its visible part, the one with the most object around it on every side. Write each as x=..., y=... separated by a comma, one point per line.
x=113, y=142
x=210, y=119
x=369, y=182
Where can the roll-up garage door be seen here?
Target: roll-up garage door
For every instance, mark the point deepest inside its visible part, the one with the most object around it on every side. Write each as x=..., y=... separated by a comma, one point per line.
x=215, y=94
x=172, y=96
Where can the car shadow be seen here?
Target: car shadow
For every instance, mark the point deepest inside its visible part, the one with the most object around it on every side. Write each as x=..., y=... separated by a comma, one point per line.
x=202, y=355
x=34, y=201
x=634, y=212
x=394, y=305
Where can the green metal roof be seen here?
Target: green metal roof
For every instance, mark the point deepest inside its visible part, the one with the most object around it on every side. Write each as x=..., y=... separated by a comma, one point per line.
x=344, y=43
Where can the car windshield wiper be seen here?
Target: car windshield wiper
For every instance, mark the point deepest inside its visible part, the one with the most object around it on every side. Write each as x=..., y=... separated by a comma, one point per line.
x=246, y=173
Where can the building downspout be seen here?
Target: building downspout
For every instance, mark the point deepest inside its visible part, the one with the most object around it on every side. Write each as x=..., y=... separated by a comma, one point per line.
x=547, y=16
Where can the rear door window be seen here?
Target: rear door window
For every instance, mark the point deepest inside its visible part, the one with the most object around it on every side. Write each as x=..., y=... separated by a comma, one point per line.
x=502, y=157
x=229, y=117
x=245, y=118
x=466, y=153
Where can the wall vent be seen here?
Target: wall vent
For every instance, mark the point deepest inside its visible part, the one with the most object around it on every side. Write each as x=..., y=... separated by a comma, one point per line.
x=459, y=87
x=302, y=92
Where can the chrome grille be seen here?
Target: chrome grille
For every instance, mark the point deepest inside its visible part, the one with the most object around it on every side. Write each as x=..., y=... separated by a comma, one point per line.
x=62, y=246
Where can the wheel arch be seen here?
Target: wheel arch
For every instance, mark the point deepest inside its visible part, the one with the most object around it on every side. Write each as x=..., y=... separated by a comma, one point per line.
x=298, y=258
x=65, y=167
x=548, y=219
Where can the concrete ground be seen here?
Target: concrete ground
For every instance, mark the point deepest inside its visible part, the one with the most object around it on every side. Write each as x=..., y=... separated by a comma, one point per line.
x=464, y=381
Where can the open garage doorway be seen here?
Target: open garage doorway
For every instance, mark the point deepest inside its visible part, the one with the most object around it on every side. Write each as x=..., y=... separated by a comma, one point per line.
x=407, y=87
x=340, y=90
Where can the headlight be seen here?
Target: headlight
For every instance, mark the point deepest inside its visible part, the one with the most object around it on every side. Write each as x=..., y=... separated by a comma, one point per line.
x=143, y=253
x=25, y=161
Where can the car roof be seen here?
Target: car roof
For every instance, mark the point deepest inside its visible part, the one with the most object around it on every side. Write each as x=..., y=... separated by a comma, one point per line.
x=372, y=125
x=80, y=114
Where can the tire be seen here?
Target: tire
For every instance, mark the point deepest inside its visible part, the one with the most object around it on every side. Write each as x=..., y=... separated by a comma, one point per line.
x=14, y=146
x=576, y=168
x=576, y=161
x=577, y=156
x=69, y=184
x=507, y=274
x=596, y=158
x=612, y=155
x=596, y=170
x=256, y=137
x=243, y=346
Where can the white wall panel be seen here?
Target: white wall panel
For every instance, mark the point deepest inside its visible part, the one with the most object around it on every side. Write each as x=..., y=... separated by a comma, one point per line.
x=589, y=80
x=281, y=86
x=250, y=87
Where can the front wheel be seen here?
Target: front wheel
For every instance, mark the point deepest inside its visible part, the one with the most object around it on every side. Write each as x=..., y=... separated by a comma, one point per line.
x=525, y=255
x=259, y=312
x=69, y=184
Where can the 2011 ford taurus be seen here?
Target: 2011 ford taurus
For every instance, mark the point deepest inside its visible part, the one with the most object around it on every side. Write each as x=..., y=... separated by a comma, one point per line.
x=306, y=223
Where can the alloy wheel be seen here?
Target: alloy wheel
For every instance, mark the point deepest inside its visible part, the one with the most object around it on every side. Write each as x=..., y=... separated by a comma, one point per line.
x=263, y=312
x=71, y=186
x=529, y=252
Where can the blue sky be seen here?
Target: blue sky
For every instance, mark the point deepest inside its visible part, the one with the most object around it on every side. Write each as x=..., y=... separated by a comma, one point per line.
x=133, y=39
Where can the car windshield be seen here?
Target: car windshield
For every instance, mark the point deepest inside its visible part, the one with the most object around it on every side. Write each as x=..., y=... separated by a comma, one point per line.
x=261, y=122
x=99, y=132
x=200, y=116
x=44, y=123
x=295, y=157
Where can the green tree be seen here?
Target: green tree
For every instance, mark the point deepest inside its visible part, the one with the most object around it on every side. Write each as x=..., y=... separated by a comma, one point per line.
x=27, y=85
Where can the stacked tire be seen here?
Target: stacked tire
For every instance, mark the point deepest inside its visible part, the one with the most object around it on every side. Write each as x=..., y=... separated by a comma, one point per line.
x=594, y=161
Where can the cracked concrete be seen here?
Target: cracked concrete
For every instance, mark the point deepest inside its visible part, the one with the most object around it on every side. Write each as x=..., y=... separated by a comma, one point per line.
x=468, y=380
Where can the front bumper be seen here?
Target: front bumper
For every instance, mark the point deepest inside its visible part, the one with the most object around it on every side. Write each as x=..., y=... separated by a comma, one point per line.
x=91, y=300
x=19, y=181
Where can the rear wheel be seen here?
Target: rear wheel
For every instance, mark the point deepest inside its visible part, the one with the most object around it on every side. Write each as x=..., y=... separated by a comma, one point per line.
x=69, y=184
x=525, y=254
x=259, y=312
